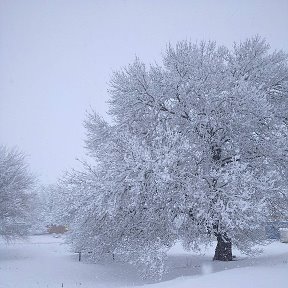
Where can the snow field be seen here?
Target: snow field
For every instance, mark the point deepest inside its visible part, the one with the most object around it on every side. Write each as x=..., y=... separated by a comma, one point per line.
x=44, y=261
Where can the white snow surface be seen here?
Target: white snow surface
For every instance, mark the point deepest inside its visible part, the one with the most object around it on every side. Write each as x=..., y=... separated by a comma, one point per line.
x=45, y=261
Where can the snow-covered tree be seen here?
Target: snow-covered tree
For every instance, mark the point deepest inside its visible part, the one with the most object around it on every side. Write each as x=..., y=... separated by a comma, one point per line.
x=48, y=207
x=16, y=183
x=191, y=154
x=224, y=104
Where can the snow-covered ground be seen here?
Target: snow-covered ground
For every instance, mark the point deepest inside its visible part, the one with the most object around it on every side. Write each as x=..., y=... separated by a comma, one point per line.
x=45, y=262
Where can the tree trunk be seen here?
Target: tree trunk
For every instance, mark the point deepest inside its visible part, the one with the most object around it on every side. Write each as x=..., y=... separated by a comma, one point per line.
x=223, y=251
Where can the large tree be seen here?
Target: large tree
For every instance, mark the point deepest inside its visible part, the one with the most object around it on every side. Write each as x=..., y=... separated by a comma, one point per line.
x=225, y=105
x=16, y=183
x=191, y=153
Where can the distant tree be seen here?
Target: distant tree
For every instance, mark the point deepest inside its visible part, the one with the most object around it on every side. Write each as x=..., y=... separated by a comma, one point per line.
x=48, y=206
x=191, y=154
x=16, y=183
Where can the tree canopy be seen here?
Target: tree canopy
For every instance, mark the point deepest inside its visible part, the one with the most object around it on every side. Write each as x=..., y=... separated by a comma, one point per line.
x=197, y=150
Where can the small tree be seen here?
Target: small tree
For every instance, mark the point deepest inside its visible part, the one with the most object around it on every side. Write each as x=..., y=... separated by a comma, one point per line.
x=16, y=183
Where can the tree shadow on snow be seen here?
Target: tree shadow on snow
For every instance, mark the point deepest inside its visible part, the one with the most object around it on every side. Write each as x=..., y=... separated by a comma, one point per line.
x=197, y=265
x=181, y=265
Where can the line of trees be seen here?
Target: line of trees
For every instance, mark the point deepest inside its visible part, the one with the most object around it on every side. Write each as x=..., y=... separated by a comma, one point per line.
x=25, y=206
x=197, y=150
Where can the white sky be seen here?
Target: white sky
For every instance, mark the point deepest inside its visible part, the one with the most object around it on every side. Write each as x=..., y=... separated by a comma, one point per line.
x=56, y=58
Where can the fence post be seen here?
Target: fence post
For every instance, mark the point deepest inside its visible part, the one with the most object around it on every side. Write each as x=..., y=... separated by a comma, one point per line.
x=79, y=255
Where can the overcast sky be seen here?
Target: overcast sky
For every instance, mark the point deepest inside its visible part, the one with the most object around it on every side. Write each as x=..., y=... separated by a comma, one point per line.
x=56, y=58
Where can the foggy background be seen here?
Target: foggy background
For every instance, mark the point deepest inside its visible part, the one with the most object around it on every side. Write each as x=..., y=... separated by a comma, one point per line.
x=56, y=59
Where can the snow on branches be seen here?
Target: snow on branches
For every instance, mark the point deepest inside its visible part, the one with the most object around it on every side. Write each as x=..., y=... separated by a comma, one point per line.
x=16, y=183
x=190, y=156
